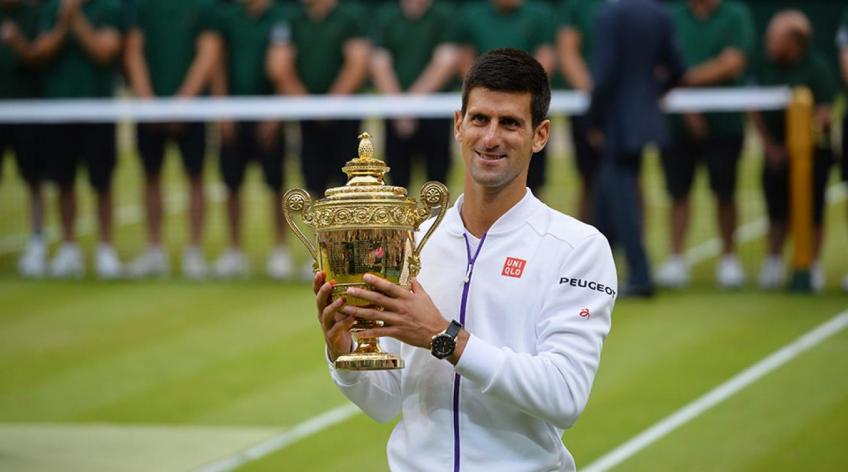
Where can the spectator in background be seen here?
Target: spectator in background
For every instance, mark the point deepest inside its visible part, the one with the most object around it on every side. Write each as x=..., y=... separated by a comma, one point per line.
x=510, y=24
x=164, y=60
x=78, y=44
x=842, y=44
x=328, y=54
x=791, y=60
x=716, y=37
x=415, y=53
x=252, y=30
x=18, y=81
x=637, y=61
x=574, y=50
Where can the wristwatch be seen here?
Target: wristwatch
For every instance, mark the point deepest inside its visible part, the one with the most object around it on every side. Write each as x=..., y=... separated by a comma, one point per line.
x=444, y=343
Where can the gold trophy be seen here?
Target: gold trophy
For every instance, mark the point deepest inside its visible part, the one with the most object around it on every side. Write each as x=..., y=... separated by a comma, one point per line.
x=366, y=227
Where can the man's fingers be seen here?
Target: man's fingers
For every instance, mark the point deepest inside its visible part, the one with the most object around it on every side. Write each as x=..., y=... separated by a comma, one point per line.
x=328, y=315
x=322, y=296
x=318, y=280
x=389, y=288
x=374, y=297
x=384, y=332
x=371, y=314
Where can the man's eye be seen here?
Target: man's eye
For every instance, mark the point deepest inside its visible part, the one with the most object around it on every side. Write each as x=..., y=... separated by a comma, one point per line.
x=478, y=119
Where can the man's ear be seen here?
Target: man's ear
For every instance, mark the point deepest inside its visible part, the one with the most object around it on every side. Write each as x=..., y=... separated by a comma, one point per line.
x=457, y=124
x=541, y=135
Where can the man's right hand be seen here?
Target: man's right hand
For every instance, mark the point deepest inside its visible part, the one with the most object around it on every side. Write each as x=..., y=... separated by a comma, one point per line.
x=335, y=324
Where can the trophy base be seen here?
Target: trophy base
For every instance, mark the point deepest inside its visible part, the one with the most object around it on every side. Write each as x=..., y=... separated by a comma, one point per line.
x=369, y=361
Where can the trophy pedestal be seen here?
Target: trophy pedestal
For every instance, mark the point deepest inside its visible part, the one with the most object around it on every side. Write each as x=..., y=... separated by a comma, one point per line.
x=368, y=356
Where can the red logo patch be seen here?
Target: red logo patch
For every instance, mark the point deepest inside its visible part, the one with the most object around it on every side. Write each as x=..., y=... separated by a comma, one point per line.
x=584, y=313
x=513, y=267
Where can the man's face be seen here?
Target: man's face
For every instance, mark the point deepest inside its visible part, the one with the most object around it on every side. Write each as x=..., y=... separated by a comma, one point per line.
x=497, y=137
x=415, y=8
x=507, y=4
x=703, y=8
x=777, y=42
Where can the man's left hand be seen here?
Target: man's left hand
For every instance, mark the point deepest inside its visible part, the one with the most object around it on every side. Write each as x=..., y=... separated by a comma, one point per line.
x=409, y=316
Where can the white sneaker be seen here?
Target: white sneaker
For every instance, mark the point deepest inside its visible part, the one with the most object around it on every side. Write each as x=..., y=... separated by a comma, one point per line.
x=232, y=263
x=729, y=272
x=817, y=280
x=152, y=262
x=33, y=261
x=772, y=273
x=194, y=265
x=279, y=263
x=673, y=273
x=106, y=262
x=67, y=262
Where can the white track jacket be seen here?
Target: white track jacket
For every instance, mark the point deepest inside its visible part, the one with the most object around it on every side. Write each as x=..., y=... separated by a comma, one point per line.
x=537, y=301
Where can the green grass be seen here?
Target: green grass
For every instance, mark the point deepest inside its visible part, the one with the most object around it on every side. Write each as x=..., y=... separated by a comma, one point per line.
x=170, y=374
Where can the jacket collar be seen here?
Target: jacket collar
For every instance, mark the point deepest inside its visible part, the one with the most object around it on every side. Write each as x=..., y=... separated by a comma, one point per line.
x=523, y=212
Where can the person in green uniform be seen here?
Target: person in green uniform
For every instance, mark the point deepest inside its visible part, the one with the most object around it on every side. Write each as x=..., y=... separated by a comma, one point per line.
x=252, y=30
x=510, y=24
x=717, y=38
x=575, y=22
x=78, y=46
x=328, y=55
x=19, y=81
x=171, y=51
x=791, y=60
x=416, y=53
x=842, y=44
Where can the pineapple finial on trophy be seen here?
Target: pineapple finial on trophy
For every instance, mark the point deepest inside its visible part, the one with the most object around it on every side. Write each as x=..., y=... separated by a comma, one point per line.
x=366, y=147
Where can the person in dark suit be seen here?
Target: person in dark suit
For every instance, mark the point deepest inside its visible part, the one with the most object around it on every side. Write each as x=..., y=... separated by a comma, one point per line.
x=637, y=60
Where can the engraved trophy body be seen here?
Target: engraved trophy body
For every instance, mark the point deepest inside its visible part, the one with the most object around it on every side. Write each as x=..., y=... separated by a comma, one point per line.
x=366, y=227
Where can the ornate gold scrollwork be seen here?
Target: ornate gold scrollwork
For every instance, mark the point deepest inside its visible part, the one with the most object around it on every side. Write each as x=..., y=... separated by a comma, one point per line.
x=433, y=195
x=298, y=201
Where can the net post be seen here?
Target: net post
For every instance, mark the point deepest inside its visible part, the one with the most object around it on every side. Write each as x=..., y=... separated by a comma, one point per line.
x=799, y=143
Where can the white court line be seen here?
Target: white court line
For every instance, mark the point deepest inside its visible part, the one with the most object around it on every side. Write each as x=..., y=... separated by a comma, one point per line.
x=719, y=394
x=307, y=428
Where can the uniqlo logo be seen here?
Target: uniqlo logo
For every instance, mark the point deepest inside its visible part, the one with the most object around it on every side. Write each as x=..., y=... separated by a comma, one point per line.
x=513, y=267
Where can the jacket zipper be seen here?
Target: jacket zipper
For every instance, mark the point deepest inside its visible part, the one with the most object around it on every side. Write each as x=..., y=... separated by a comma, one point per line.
x=469, y=270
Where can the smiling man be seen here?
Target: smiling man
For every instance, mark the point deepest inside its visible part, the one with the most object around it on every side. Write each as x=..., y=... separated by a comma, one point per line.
x=501, y=348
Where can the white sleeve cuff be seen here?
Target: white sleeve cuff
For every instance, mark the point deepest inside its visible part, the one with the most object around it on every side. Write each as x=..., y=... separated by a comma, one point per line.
x=480, y=362
x=345, y=378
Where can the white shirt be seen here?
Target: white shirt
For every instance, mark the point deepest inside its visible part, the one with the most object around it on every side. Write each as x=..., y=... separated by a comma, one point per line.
x=539, y=301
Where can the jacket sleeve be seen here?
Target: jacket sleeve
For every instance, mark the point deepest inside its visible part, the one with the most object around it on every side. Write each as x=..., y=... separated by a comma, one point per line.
x=605, y=71
x=554, y=383
x=376, y=393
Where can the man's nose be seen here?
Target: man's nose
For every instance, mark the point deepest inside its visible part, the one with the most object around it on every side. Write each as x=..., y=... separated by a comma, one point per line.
x=491, y=136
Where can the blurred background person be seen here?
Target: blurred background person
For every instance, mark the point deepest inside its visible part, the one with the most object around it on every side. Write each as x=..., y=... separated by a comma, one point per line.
x=171, y=50
x=328, y=54
x=416, y=53
x=717, y=38
x=252, y=29
x=19, y=80
x=576, y=22
x=510, y=24
x=637, y=60
x=790, y=59
x=842, y=44
x=78, y=45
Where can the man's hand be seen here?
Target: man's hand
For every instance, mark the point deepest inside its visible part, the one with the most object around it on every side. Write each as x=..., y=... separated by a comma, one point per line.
x=9, y=32
x=228, y=132
x=68, y=11
x=408, y=316
x=267, y=133
x=776, y=155
x=696, y=125
x=335, y=325
x=405, y=127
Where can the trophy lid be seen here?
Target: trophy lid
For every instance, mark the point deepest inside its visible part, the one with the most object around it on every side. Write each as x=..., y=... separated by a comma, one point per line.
x=365, y=175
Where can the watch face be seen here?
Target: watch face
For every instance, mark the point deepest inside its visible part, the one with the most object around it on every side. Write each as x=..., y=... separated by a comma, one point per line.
x=443, y=346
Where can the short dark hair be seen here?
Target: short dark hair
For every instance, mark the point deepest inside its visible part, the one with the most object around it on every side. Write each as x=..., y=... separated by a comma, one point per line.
x=510, y=70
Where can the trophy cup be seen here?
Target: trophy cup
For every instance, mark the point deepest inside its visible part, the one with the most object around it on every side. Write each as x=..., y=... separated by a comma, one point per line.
x=366, y=227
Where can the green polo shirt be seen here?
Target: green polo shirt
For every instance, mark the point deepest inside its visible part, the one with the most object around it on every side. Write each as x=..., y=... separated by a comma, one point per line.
x=320, y=43
x=73, y=73
x=580, y=15
x=17, y=80
x=170, y=30
x=729, y=26
x=248, y=38
x=411, y=42
x=813, y=71
x=526, y=27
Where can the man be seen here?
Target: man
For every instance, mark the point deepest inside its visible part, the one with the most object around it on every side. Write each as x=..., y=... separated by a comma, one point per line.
x=416, y=54
x=717, y=38
x=164, y=61
x=574, y=50
x=636, y=62
x=18, y=81
x=78, y=45
x=515, y=366
x=842, y=43
x=510, y=24
x=791, y=60
x=252, y=30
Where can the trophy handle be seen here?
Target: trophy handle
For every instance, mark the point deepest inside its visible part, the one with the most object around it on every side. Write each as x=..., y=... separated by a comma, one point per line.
x=433, y=194
x=298, y=201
